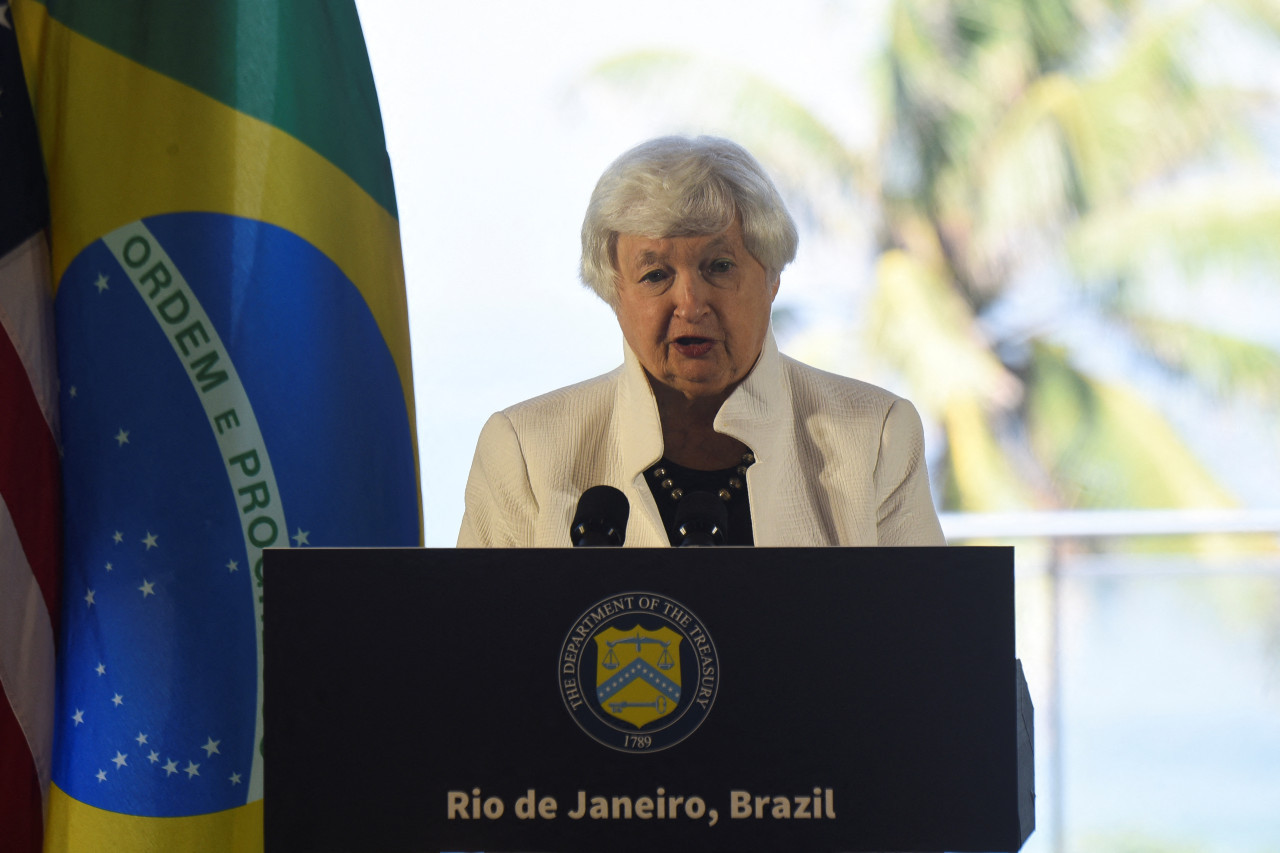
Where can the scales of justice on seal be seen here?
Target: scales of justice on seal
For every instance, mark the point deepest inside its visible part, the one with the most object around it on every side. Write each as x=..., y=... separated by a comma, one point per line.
x=735, y=699
x=666, y=691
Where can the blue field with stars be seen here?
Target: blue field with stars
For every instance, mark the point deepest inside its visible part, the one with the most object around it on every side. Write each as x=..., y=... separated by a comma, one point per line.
x=158, y=692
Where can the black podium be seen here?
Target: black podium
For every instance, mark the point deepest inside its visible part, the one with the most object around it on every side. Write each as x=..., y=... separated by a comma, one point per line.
x=711, y=699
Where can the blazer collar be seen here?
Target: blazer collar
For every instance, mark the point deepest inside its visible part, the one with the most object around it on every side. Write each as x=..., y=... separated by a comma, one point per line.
x=756, y=413
x=752, y=414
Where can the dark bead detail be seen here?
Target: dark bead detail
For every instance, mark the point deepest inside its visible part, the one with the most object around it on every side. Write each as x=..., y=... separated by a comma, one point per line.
x=736, y=484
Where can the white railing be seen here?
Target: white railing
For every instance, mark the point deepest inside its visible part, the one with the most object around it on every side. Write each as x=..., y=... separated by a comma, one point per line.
x=1079, y=524
x=1057, y=528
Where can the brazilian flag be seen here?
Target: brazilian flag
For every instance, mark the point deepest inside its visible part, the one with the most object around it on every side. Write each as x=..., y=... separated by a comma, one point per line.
x=234, y=370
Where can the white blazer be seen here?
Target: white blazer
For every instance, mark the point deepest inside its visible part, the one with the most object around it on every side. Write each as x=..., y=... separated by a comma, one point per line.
x=838, y=461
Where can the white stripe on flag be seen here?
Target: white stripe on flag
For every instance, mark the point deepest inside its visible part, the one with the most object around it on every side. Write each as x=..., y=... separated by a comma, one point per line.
x=26, y=313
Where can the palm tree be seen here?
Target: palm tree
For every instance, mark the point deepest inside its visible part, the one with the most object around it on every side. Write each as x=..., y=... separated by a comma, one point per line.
x=1047, y=178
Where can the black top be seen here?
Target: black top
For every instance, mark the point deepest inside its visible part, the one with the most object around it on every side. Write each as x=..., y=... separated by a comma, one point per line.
x=665, y=476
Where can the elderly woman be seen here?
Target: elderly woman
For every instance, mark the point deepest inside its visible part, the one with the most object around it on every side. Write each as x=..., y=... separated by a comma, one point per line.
x=686, y=240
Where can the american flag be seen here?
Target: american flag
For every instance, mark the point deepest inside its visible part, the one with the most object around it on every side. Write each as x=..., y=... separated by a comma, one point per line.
x=29, y=533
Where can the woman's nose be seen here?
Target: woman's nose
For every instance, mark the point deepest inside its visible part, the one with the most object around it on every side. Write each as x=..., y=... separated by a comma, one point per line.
x=691, y=295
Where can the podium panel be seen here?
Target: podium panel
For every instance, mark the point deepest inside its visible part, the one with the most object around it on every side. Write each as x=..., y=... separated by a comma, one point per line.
x=711, y=699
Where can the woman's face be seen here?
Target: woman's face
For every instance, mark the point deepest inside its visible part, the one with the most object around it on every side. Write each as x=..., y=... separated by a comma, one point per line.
x=694, y=310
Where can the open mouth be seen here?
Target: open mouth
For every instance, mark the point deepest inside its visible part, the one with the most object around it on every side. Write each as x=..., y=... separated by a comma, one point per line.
x=692, y=346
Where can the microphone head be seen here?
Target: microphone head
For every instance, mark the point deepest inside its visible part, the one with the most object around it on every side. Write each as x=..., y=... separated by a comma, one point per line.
x=701, y=519
x=601, y=518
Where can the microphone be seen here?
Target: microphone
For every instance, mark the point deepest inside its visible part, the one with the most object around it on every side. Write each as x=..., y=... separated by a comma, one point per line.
x=601, y=518
x=701, y=519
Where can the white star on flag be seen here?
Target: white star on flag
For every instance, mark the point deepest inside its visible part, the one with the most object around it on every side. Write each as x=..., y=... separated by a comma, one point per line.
x=192, y=769
x=120, y=760
x=211, y=747
x=147, y=588
x=150, y=540
x=171, y=767
x=122, y=437
x=101, y=283
x=78, y=716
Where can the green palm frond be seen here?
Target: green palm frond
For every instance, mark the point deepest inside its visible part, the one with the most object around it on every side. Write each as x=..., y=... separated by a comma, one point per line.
x=981, y=474
x=1231, y=221
x=1222, y=363
x=1078, y=142
x=919, y=324
x=1107, y=446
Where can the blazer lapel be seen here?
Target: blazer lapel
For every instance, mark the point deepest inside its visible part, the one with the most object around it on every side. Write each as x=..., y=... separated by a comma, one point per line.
x=759, y=413
x=639, y=432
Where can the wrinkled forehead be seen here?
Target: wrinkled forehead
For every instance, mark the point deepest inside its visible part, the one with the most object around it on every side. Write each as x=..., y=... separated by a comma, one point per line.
x=725, y=234
x=637, y=250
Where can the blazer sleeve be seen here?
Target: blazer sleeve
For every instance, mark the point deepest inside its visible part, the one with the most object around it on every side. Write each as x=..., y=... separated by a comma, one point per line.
x=905, y=515
x=500, y=507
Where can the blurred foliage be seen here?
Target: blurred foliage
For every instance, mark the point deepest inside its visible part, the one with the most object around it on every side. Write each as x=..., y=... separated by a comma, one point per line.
x=1038, y=167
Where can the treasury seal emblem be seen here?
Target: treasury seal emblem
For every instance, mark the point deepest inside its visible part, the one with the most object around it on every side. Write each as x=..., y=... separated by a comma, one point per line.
x=638, y=672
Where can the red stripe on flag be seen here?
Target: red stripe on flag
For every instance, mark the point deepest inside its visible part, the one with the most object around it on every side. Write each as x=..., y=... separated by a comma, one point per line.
x=29, y=474
x=21, y=824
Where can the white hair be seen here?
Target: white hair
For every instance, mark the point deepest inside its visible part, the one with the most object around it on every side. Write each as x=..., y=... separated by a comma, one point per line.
x=676, y=186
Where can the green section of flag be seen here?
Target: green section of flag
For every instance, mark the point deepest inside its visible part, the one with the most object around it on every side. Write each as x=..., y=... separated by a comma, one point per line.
x=276, y=73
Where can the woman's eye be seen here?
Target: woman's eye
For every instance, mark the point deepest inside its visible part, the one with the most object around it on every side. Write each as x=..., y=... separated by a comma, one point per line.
x=653, y=276
x=722, y=265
